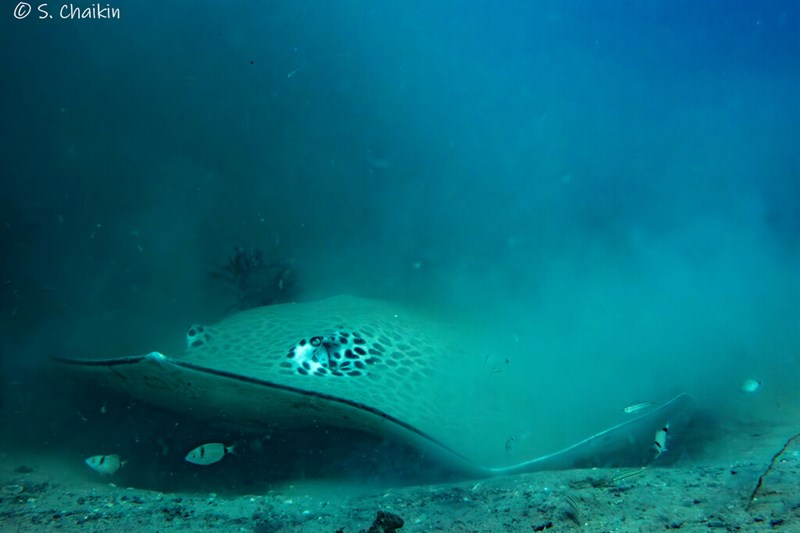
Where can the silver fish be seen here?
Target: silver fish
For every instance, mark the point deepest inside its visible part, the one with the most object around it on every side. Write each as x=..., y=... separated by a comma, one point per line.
x=208, y=454
x=638, y=407
x=105, y=464
x=660, y=443
x=625, y=474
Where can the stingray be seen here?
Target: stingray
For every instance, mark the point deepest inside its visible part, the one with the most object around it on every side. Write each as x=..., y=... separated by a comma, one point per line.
x=354, y=363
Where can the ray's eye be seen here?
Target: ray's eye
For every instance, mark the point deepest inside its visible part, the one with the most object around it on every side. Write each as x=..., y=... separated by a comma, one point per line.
x=315, y=341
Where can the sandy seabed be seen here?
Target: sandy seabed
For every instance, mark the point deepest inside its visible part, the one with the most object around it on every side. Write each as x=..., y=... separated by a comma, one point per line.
x=42, y=493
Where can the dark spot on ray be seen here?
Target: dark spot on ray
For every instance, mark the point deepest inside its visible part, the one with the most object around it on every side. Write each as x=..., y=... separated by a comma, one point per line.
x=200, y=329
x=359, y=340
x=302, y=343
x=354, y=373
x=350, y=355
x=336, y=373
x=302, y=371
x=306, y=365
x=373, y=351
x=342, y=340
x=290, y=354
x=360, y=365
x=192, y=332
x=360, y=351
x=196, y=344
x=379, y=347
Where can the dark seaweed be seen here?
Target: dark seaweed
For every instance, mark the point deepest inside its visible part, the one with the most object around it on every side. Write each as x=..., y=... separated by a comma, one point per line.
x=259, y=281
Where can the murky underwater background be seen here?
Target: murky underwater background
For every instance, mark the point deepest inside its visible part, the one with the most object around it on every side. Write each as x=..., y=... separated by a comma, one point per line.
x=607, y=194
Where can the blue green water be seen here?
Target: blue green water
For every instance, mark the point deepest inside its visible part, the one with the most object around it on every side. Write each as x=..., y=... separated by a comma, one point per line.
x=615, y=185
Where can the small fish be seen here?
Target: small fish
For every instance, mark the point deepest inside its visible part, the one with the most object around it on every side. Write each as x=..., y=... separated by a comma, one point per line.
x=208, y=454
x=105, y=464
x=750, y=385
x=496, y=363
x=509, y=444
x=659, y=445
x=638, y=407
x=625, y=474
x=574, y=511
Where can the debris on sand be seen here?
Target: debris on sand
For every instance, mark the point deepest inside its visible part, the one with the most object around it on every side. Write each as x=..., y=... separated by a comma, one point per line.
x=385, y=523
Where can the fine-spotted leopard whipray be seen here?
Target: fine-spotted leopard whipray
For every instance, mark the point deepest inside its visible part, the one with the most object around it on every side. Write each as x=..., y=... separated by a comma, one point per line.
x=355, y=363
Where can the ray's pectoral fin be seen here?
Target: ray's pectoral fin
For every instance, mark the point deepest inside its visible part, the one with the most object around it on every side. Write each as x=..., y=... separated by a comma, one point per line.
x=627, y=444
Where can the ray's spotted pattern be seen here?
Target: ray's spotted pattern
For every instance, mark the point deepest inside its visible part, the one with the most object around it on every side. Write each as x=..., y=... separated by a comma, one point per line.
x=340, y=354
